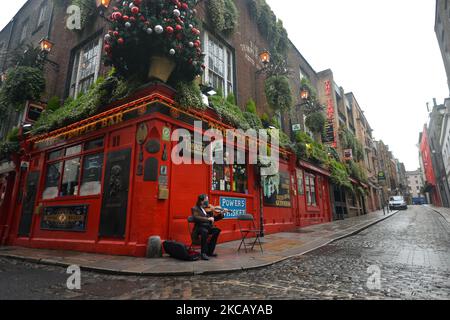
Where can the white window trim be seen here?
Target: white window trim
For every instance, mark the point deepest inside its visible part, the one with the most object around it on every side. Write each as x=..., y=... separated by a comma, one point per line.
x=98, y=61
x=42, y=14
x=206, y=37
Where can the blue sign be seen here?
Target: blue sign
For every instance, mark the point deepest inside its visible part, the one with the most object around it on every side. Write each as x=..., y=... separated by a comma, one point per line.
x=237, y=206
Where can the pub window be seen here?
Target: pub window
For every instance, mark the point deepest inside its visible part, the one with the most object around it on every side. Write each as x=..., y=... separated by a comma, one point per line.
x=219, y=65
x=75, y=171
x=300, y=183
x=240, y=179
x=86, y=65
x=230, y=178
x=311, y=196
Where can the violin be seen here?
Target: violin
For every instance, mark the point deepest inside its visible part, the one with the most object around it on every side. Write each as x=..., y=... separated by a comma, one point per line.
x=211, y=210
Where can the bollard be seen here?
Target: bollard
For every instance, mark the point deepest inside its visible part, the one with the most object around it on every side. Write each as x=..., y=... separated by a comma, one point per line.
x=154, y=247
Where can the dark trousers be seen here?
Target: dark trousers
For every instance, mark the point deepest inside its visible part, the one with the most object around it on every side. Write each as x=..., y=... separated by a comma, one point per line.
x=209, y=247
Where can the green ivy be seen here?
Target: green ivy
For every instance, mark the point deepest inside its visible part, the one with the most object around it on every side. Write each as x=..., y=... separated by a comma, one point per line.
x=229, y=112
x=22, y=83
x=251, y=106
x=357, y=171
x=270, y=27
x=349, y=141
x=102, y=93
x=316, y=122
x=339, y=175
x=189, y=96
x=278, y=93
x=223, y=15
x=11, y=145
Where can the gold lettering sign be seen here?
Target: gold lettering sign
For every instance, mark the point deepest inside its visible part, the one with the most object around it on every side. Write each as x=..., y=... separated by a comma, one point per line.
x=97, y=125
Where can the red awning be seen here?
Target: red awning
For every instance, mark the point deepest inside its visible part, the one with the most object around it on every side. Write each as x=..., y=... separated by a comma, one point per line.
x=314, y=168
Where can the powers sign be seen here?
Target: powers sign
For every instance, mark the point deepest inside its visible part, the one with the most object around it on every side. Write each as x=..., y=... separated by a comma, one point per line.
x=237, y=206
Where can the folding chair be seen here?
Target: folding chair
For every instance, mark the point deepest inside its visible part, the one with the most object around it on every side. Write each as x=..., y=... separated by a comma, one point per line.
x=246, y=233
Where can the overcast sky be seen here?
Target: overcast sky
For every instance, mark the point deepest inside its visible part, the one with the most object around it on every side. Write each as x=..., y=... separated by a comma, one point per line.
x=383, y=51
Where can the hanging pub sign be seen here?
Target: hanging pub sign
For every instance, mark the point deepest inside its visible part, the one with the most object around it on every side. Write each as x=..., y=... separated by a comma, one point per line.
x=381, y=176
x=67, y=218
x=348, y=154
x=329, y=136
x=277, y=190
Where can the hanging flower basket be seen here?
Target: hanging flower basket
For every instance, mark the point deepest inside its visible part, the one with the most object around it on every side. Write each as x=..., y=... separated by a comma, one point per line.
x=161, y=68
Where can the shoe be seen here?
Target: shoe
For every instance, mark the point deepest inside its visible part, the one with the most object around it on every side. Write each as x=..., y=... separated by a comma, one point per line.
x=213, y=255
x=204, y=257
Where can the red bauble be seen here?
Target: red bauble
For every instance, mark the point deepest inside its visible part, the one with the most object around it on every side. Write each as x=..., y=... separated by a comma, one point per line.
x=169, y=30
x=132, y=19
x=180, y=36
x=137, y=2
x=184, y=6
x=116, y=34
x=107, y=48
x=178, y=27
x=135, y=10
x=116, y=15
x=120, y=41
x=126, y=18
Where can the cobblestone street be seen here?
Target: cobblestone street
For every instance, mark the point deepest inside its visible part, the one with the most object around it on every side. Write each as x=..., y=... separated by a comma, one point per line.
x=411, y=249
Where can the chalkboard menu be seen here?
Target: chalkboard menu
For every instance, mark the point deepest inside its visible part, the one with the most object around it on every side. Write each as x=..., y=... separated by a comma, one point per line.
x=67, y=218
x=277, y=190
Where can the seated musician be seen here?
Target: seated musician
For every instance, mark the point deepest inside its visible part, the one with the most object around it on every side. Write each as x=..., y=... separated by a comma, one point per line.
x=204, y=216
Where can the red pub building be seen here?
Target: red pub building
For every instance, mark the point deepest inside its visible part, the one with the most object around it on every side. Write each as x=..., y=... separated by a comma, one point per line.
x=107, y=183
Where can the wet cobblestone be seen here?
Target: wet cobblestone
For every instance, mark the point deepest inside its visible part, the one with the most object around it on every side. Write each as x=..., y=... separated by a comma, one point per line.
x=411, y=249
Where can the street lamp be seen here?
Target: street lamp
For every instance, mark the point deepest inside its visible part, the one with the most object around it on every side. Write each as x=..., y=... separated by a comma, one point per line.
x=102, y=6
x=264, y=57
x=305, y=93
x=46, y=45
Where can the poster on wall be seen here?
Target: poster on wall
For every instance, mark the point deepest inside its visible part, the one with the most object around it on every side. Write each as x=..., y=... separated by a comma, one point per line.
x=67, y=218
x=277, y=190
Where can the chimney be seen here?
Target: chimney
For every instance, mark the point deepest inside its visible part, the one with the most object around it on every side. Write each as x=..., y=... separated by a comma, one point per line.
x=435, y=102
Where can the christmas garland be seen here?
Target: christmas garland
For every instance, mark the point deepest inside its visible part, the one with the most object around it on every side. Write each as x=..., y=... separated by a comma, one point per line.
x=144, y=28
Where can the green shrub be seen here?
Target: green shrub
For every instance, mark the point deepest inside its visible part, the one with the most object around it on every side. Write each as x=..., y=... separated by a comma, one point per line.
x=189, y=96
x=22, y=84
x=53, y=104
x=278, y=93
x=316, y=122
x=251, y=106
x=102, y=93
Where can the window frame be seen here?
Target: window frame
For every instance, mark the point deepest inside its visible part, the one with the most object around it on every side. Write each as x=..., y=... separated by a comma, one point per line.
x=308, y=190
x=75, y=80
x=232, y=176
x=24, y=30
x=42, y=14
x=228, y=60
x=63, y=159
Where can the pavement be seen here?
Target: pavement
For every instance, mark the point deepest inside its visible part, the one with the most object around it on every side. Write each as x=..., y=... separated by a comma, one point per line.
x=277, y=248
x=444, y=212
x=404, y=257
